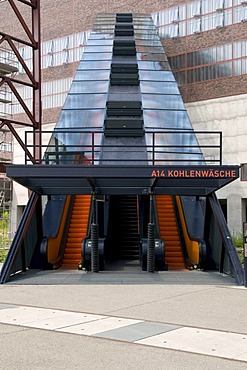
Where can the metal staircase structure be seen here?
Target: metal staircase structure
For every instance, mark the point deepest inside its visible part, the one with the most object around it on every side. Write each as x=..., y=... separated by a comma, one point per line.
x=137, y=140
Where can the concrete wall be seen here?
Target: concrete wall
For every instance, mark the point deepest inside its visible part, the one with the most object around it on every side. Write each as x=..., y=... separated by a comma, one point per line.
x=228, y=115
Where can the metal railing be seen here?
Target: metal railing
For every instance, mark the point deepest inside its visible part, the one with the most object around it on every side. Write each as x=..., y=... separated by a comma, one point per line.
x=84, y=147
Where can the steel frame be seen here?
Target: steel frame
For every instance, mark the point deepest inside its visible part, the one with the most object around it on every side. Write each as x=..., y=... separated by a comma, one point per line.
x=33, y=76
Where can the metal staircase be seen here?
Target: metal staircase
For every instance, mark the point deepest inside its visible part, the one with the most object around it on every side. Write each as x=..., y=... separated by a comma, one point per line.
x=123, y=232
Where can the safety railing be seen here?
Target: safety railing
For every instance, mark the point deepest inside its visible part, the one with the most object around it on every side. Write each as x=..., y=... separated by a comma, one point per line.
x=84, y=147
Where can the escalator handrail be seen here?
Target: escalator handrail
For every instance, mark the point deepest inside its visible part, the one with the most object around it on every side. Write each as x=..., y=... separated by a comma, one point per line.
x=201, y=242
x=226, y=238
x=19, y=237
x=57, y=262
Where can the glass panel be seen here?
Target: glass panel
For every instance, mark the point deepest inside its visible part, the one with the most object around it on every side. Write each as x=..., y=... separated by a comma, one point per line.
x=99, y=42
x=228, y=17
x=207, y=6
x=174, y=30
x=98, y=49
x=156, y=76
x=173, y=14
x=244, y=66
x=94, y=65
x=80, y=101
x=148, y=43
x=244, y=48
x=162, y=102
x=81, y=118
x=182, y=12
x=101, y=36
x=194, y=75
x=218, y=4
x=194, y=9
x=237, y=67
x=149, y=49
x=97, y=75
x=161, y=57
x=219, y=20
x=166, y=119
x=159, y=87
x=207, y=22
x=225, y=69
x=150, y=65
x=237, y=49
x=98, y=56
x=88, y=87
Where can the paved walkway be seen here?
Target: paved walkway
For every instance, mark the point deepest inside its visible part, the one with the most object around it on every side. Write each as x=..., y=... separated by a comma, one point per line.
x=80, y=320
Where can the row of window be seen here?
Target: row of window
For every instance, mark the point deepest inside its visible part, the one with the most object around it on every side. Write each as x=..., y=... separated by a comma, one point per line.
x=56, y=52
x=212, y=55
x=171, y=22
x=194, y=9
x=211, y=72
x=198, y=21
x=222, y=61
x=53, y=95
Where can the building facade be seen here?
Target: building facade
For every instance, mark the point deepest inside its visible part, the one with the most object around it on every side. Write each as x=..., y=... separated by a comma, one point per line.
x=206, y=43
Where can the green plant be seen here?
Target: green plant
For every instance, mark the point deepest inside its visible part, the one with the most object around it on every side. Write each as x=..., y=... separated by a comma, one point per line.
x=3, y=254
x=238, y=242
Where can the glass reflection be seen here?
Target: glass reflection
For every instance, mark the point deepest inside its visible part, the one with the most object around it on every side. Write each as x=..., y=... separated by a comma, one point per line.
x=80, y=119
x=82, y=101
x=158, y=75
x=98, y=49
x=99, y=42
x=88, y=87
x=159, y=87
x=96, y=75
x=162, y=102
x=169, y=119
x=94, y=65
x=97, y=56
x=152, y=57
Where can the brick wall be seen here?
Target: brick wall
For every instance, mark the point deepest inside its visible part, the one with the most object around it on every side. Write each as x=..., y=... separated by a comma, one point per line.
x=64, y=17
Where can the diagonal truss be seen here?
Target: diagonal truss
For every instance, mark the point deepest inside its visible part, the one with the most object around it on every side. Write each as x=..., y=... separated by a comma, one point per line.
x=31, y=74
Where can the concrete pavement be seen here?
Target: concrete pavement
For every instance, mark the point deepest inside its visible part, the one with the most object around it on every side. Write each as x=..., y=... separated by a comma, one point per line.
x=175, y=320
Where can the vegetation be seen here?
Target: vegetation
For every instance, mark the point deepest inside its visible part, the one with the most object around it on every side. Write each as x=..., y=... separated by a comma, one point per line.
x=4, y=232
x=238, y=242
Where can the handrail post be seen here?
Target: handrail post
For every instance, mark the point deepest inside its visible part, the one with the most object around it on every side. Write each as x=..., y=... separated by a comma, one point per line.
x=153, y=148
x=94, y=238
x=220, y=148
x=151, y=241
x=92, y=148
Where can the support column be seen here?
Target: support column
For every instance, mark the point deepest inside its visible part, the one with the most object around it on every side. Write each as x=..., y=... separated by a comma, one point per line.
x=94, y=239
x=151, y=241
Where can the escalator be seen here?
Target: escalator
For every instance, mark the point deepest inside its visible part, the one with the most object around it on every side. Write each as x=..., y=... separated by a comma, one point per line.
x=123, y=234
x=77, y=231
x=134, y=115
x=169, y=232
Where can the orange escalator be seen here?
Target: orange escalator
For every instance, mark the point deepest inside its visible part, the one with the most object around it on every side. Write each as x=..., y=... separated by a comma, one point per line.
x=169, y=232
x=77, y=231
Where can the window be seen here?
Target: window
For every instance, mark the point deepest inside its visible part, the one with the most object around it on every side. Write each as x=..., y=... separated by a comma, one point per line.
x=194, y=9
x=174, y=30
x=219, y=4
x=219, y=20
x=194, y=25
x=174, y=14
x=207, y=6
